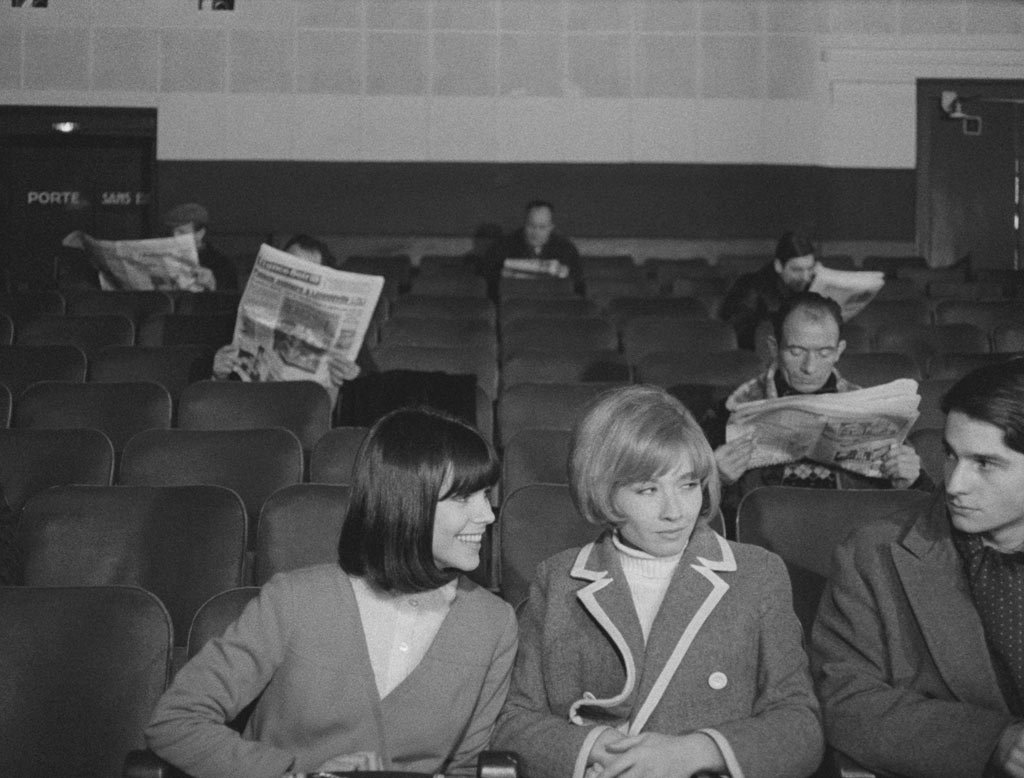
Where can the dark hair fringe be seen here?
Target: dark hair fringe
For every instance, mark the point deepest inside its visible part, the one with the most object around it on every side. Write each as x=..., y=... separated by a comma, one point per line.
x=407, y=458
x=993, y=394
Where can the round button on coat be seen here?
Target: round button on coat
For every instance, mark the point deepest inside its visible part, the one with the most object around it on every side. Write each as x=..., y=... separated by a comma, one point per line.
x=717, y=680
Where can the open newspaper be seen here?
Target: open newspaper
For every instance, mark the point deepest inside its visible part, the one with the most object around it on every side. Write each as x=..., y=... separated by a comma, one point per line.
x=293, y=312
x=534, y=268
x=155, y=263
x=852, y=289
x=851, y=430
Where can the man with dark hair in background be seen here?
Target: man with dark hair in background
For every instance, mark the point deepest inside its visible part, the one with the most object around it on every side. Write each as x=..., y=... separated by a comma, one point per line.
x=756, y=297
x=918, y=647
x=192, y=219
x=536, y=239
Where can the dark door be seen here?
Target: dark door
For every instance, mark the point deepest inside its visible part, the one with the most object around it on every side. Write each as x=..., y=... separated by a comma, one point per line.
x=99, y=179
x=968, y=169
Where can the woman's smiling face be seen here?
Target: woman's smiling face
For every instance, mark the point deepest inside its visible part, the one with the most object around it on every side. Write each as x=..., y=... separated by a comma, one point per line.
x=459, y=524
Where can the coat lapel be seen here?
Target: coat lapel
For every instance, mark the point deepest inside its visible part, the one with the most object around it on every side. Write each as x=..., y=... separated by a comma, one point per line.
x=607, y=599
x=931, y=573
x=693, y=595
x=695, y=591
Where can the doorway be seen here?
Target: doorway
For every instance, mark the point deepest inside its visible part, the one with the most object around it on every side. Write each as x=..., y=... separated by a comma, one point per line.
x=969, y=148
x=65, y=169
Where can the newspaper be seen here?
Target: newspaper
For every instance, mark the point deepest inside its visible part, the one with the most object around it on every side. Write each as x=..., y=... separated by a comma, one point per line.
x=156, y=263
x=534, y=268
x=851, y=430
x=852, y=289
x=294, y=312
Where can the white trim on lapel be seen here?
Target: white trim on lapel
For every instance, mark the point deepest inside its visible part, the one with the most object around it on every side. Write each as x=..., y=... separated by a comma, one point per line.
x=600, y=579
x=707, y=568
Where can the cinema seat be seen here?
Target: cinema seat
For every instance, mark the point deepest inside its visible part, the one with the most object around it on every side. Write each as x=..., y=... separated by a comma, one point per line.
x=564, y=367
x=83, y=668
x=24, y=365
x=302, y=407
x=33, y=460
x=300, y=526
x=252, y=463
x=334, y=455
x=135, y=305
x=119, y=410
x=89, y=333
x=183, y=543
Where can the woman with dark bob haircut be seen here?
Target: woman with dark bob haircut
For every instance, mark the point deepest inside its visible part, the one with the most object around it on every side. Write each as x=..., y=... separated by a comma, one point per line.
x=661, y=649
x=391, y=660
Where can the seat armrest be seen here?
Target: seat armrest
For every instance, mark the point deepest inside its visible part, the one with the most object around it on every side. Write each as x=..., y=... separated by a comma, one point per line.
x=146, y=764
x=497, y=764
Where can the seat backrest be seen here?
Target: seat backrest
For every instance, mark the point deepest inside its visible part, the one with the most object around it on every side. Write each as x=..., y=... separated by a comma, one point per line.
x=119, y=410
x=924, y=341
x=183, y=543
x=536, y=522
x=594, y=266
x=25, y=306
x=32, y=460
x=927, y=441
x=643, y=335
x=300, y=526
x=413, y=331
x=549, y=406
x=558, y=334
x=985, y=315
x=623, y=309
x=6, y=330
x=958, y=365
x=133, y=304
x=183, y=329
x=480, y=361
x=603, y=290
x=535, y=456
x=725, y=368
x=173, y=367
x=83, y=668
x=89, y=333
x=891, y=265
x=510, y=288
x=541, y=367
x=931, y=391
x=882, y=315
x=6, y=403
x=214, y=616
x=24, y=365
x=1008, y=338
x=539, y=307
x=303, y=407
x=803, y=526
x=334, y=455
x=872, y=369
x=207, y=302
x=451, y=285
x=252, y=463
x=451, y=307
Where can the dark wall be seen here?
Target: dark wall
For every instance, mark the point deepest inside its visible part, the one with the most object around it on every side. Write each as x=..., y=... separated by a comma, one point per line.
x=593, y=200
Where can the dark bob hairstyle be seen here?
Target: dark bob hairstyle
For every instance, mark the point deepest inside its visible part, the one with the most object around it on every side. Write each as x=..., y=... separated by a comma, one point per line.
x=411, y=459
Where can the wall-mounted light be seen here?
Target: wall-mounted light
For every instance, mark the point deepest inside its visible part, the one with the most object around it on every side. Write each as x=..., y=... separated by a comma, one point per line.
x=66, y=127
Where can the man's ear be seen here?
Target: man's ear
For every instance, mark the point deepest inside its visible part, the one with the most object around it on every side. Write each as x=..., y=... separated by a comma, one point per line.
x=840, y=348
x=778, y=267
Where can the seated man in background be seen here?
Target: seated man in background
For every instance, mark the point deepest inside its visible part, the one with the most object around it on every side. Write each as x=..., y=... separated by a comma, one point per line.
x=536, y=239
x=917, y=646
x=806, y=346
x=756, y=297
x=228, y=361
x=192, y=218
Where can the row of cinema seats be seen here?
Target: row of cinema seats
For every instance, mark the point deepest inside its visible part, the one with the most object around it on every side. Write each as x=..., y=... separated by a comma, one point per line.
x=88, y=662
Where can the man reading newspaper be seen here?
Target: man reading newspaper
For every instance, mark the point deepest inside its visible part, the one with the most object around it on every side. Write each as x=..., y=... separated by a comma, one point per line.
x=864, y=448
x=299, y=320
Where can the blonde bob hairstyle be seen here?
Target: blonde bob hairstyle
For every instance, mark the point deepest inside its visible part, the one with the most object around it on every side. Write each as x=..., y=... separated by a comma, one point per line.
x=633, y=434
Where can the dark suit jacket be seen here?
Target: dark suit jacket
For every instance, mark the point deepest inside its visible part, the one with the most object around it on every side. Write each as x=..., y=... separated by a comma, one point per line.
x=899, y=653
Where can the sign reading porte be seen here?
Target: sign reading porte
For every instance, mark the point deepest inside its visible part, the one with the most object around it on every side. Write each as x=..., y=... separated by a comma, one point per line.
x=53, y=198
